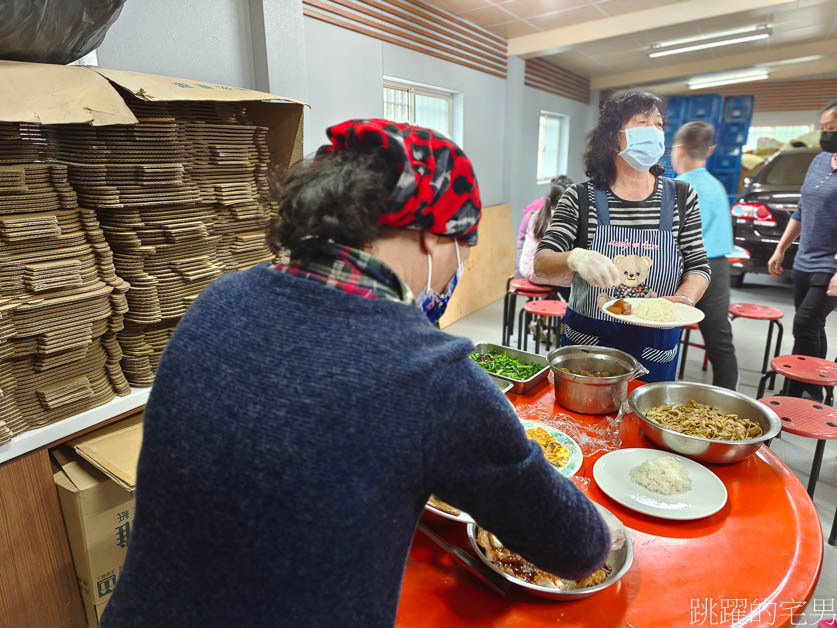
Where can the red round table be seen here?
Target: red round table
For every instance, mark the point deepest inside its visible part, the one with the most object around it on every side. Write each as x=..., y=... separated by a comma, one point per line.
x=755, y=563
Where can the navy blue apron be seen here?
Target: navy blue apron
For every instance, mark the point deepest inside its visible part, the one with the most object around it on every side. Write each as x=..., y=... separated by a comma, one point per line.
x=655, y=251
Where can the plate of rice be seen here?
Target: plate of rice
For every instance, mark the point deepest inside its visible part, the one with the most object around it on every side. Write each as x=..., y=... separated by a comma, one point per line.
x=660, y=484
x=653, y=312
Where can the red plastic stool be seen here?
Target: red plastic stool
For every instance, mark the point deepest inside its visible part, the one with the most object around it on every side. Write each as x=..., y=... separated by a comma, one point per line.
x=808, y=419
x=758, y=312
x=523, y=288
x=549, y=308
x=684, y=340
x=805, y=369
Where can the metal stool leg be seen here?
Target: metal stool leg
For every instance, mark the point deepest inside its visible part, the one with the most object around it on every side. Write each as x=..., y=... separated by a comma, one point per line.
x=506, y=300
x=767, y=347
x=829, y=396
x=687, y=335
x=778, y=350
x=832, y=538
x=521, y=331
x=512, y=309
x=538, y=328
x=815, y=468
x=763, y=383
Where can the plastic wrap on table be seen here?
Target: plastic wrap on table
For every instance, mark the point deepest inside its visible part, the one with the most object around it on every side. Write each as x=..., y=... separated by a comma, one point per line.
x=599, y=437
x=54, y=31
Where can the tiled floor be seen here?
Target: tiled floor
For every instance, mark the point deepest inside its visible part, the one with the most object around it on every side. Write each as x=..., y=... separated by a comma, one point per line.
x=749, y=337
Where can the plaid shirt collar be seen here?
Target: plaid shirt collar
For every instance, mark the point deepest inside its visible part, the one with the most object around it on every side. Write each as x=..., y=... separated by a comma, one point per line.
x=352, y=271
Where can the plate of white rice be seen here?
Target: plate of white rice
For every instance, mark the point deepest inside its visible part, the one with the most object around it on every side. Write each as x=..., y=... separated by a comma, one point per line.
x=656, y=312
x=660, y=484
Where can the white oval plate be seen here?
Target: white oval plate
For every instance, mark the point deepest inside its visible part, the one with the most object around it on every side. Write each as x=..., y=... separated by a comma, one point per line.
x=686, y=315
x=576, y=457
x=612, y=473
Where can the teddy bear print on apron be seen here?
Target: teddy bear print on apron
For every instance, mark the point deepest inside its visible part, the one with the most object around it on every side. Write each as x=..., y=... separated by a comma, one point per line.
x=650, y=264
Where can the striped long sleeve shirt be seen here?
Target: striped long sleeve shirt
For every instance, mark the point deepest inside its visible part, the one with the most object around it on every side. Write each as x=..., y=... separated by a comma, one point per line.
x=645, y=214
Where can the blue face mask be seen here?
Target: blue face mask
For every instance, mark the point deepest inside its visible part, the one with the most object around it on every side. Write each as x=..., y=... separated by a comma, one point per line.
x=431, y=302
x=644, y=147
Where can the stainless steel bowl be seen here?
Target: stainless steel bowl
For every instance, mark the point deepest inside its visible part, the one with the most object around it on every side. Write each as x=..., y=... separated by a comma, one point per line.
x=619, y=560
x=644, y=398
x=518, y=385
x=592, y=395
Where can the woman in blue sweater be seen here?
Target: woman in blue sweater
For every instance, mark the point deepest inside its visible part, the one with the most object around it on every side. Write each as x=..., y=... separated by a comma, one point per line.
x=303, y=413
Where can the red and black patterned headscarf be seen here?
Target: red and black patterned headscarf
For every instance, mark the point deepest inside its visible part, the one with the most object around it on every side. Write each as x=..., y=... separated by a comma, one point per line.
x=436, y=190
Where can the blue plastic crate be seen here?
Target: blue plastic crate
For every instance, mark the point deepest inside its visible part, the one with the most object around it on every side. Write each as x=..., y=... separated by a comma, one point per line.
x=738, y=108
x=725, y=158
x=729, y=179
x=733, y=133
x=706, y=107
x=677, y=107
x=669, y=130
x=732, y=199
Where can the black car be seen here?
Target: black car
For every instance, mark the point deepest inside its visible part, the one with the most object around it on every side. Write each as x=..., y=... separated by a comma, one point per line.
x=760, y=216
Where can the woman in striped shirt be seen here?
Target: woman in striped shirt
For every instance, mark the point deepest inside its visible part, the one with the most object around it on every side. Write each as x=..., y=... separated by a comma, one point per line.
x=626, y=232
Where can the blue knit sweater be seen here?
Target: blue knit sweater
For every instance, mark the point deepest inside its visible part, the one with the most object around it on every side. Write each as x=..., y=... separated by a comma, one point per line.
x=292, y=437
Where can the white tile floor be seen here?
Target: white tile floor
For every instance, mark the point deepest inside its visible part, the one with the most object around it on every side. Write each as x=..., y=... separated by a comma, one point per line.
x=749, y=338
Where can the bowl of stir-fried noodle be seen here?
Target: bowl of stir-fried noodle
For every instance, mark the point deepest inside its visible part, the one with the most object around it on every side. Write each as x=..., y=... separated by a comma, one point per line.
x=703, y=422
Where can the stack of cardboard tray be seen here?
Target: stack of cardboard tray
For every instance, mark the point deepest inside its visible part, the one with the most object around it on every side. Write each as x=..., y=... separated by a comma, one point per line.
x=61, y=302
x=182, y=197
x=114, y=181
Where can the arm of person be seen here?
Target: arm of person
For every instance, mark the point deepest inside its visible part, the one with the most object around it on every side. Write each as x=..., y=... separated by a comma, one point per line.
x=696, y=271
x=556, y=260
x=478, y=458
x=792, y=231
x=527, y=255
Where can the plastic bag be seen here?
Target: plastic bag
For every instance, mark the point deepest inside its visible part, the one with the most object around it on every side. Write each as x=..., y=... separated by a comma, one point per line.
x=600, y=437
x=54, y=31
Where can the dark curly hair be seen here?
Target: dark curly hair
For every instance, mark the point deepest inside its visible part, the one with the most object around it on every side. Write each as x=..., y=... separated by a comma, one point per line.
x=336, y=197
x=602, y=143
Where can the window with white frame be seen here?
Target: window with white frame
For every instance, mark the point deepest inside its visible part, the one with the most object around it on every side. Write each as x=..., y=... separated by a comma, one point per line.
x=781, y=133
x=421, y=106
x=550, y=142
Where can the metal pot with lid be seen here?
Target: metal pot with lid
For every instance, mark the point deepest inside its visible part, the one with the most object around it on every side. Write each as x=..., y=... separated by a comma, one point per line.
x=589, y=394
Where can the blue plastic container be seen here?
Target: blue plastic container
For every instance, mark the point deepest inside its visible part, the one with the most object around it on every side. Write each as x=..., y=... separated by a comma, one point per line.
x=666, y=163
x=738, y=108
x=669, y=130
x=725, y=158
x=729, y=179
x=706, y=107
x=677, y=107
x=733, y=133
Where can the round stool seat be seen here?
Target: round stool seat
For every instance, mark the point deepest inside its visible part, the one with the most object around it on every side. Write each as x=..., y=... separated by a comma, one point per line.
x=804, y=417
x=806, y=369
x=528, y=286
x=546, y=307
x=755, y=311
x=530, y=294
x=692, y=326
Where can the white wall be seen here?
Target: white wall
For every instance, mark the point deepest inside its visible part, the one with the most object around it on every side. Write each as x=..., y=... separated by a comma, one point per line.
x=776, y=118
x=345, y=78
x=208, y=40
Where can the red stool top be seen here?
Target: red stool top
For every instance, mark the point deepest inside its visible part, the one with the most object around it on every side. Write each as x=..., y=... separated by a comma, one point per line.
x=692, y=326
x=528, y=286
x=806, y=369
x=546, y=307
x=804, y=417
x=756, y=311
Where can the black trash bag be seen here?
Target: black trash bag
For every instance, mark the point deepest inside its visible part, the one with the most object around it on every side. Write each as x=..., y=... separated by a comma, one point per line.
x=54, y=31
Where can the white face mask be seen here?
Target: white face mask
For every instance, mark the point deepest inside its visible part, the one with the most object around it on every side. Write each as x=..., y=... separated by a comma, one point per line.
x=431, y=302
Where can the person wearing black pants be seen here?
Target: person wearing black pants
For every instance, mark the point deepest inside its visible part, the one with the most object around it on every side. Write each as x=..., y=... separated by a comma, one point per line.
x=693, y=143
x=814, y=268
x=813, y=306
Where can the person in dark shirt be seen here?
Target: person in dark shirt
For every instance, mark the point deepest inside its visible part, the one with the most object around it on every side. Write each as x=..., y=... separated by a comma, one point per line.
x=814, y=268
x=302, y=413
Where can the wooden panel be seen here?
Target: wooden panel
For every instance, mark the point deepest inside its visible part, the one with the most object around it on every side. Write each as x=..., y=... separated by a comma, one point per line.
x=488, y=267
x=783, y=95
x=546, y=76
x=418, y=27
x=37, y=581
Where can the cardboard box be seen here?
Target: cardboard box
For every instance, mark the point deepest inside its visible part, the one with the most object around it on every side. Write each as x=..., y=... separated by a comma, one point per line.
x=95, y=476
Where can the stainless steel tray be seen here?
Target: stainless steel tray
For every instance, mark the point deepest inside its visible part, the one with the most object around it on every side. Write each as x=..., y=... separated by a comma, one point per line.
x=518, y=385
x=501, y=382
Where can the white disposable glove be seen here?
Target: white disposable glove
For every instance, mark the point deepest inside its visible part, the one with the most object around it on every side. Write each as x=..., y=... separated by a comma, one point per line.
x=614, y=526
x=594, y=268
